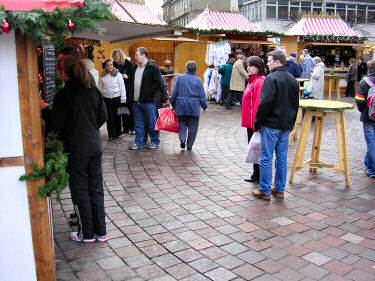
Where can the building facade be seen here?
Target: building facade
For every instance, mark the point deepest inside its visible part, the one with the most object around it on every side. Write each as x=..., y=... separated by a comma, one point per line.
x=280, y=15
x=181, y=12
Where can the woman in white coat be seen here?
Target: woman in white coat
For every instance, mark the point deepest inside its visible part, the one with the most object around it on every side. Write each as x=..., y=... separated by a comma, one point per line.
x=317, y=79
x=113, y=89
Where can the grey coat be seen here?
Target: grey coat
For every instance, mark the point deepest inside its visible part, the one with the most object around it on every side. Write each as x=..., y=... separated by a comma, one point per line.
x=317, y=81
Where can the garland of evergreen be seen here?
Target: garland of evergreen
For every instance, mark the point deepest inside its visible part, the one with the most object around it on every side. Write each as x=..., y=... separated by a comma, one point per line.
x=54, y=170
x=232, y=31
x=331, y=38
x=38, y=23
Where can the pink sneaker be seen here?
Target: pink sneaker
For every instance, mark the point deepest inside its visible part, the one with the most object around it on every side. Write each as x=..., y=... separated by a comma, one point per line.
x=103, y=238
x=74, y=236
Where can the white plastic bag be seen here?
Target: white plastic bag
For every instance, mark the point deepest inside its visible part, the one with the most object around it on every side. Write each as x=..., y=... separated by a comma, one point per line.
x=253, y=150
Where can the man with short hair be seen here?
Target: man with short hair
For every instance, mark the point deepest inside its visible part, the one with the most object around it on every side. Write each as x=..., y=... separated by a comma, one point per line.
x=237, y=80
x=368, y=124
x=144, y=85
x=307, y=64
x=275, y=117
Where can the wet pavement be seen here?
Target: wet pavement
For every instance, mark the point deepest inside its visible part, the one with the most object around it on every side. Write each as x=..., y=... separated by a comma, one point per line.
x=174, y=214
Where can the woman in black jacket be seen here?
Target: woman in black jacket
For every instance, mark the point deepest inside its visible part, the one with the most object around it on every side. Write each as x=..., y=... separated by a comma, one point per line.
x=125, y=67
x=77, y=114
x=362, y=69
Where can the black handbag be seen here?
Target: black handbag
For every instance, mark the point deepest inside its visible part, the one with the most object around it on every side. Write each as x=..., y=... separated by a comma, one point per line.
x=123, y=110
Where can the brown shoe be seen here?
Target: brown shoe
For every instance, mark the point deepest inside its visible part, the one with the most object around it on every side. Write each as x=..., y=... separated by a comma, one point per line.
x=276, y=193
x=260, y=195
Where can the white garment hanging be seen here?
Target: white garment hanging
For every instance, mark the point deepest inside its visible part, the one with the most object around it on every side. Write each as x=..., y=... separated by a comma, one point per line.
x=210, y=84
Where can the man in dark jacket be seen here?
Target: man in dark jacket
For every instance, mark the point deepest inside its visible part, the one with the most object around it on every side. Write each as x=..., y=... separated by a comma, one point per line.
x=226, y=72
x=368, y=124
x=145, y=83
x=275, y=117
x=292, y=66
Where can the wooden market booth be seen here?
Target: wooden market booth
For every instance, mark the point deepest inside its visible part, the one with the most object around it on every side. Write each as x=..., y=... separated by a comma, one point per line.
x=27, y=248
x=328, y=37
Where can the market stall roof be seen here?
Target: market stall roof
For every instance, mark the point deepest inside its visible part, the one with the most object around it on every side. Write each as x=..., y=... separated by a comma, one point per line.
x=118, y=31
x=134, y=12
x=321, y=26
x=208, y=20
x=48, y=6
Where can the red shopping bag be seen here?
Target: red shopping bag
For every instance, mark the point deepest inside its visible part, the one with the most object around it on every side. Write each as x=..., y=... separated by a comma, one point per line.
x=167, y=120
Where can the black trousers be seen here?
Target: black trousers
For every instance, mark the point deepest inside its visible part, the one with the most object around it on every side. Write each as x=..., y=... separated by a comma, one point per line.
x=114, y=120
x=86, y=188
x=256, y=172
x=128, y=120
x=349, y=91
x=224, y=94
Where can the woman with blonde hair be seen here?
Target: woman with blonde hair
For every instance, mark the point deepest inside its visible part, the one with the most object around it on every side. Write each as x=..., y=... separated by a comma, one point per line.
x=91, y=68
x=125, y=67
x=77, y=114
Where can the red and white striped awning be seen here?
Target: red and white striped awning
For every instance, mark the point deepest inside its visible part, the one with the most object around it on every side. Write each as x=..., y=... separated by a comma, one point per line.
x=321, y=26
x=140, y=12
x=208, y=20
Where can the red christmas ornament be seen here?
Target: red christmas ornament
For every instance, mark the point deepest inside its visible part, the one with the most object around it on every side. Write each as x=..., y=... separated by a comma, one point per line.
x=5, y=27
x=70, y=25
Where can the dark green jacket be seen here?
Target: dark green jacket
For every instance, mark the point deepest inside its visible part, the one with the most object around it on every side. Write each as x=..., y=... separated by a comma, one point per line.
x=226, y=72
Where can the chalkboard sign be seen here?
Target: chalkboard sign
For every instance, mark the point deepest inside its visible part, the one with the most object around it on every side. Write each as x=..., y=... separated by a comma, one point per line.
x=49, y=71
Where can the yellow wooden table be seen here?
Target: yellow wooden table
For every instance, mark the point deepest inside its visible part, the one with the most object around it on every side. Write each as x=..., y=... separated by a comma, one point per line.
x=337, y=80
x=321, y=109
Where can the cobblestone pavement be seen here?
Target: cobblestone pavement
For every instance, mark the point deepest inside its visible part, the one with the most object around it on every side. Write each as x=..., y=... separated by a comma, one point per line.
x=178, y=215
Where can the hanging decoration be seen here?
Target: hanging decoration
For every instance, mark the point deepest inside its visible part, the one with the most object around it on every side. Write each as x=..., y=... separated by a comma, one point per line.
x=331, y=38
x=232, y=31
x=5, y=27
x=58, y=23
x=70, y=25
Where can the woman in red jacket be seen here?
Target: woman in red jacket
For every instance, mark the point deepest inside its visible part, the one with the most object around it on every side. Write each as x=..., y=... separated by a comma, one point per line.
x=250, y=101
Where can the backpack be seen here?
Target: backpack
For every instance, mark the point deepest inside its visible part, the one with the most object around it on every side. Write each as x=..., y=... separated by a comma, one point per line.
x=370, y=99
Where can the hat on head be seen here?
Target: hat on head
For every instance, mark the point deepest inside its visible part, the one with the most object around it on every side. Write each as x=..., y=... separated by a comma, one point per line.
x=293, y=55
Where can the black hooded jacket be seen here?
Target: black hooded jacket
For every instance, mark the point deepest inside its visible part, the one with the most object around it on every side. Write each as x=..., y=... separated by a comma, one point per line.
x=77, y=115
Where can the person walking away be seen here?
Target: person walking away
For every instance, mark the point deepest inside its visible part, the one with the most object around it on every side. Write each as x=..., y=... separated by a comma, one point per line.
x=361, y=99
x=237, y=80
x=113, y=89
x=292, y=66
x=187, y=98
x=77, y=114
x=362, y=68
x=307, y=65
x=317, y=79
x=275, y=117
x=125, y=67
x=250, y=101
x=351, y=77
x=226, y=73
x=146, y=81
x=161, y=97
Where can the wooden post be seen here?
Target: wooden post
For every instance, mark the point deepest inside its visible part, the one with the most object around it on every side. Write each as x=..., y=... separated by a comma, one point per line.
x=27, y=68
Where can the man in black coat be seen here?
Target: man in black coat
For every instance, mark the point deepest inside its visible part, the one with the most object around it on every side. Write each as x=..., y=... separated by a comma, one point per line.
x=146, y=80
x=275, y=117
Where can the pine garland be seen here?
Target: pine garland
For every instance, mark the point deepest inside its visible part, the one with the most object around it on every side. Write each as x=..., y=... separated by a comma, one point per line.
x=331, y=38
x=54, y=170
x=232, y=32
x=38, y=23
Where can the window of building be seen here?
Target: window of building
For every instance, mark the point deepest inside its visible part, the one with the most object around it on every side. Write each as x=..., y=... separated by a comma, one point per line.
x=340, y=10
x=294, y=10
x=317, y=8
x=330, y=9
x=371, y=14
x=252, y=10
x=271, y=9
x=305, y=7
x=282, y=10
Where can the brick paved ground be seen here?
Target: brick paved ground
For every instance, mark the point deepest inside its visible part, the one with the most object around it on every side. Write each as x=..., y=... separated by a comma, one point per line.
x=178, y=215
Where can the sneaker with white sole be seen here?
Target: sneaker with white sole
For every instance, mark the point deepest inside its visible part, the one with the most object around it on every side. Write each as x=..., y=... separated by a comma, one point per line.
x=74, y=236
x=153, y=146
x=135, y=147
x=103, y=238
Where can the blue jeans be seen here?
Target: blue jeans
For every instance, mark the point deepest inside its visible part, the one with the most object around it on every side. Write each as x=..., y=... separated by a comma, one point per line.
x=273, y=140
x=369, y=132
x=144, y=113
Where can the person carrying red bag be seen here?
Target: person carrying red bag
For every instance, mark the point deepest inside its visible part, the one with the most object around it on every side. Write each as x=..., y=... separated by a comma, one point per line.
x=187, y=98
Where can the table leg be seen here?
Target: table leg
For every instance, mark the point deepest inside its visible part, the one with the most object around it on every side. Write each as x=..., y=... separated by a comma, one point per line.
x=338, y=89
x=330, y=88
x=317, y=140
x=298, y=158
x=342, y=146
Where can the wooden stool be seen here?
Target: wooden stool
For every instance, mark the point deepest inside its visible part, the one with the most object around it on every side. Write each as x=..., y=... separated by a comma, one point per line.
x=321, y=109
x=337, y=79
